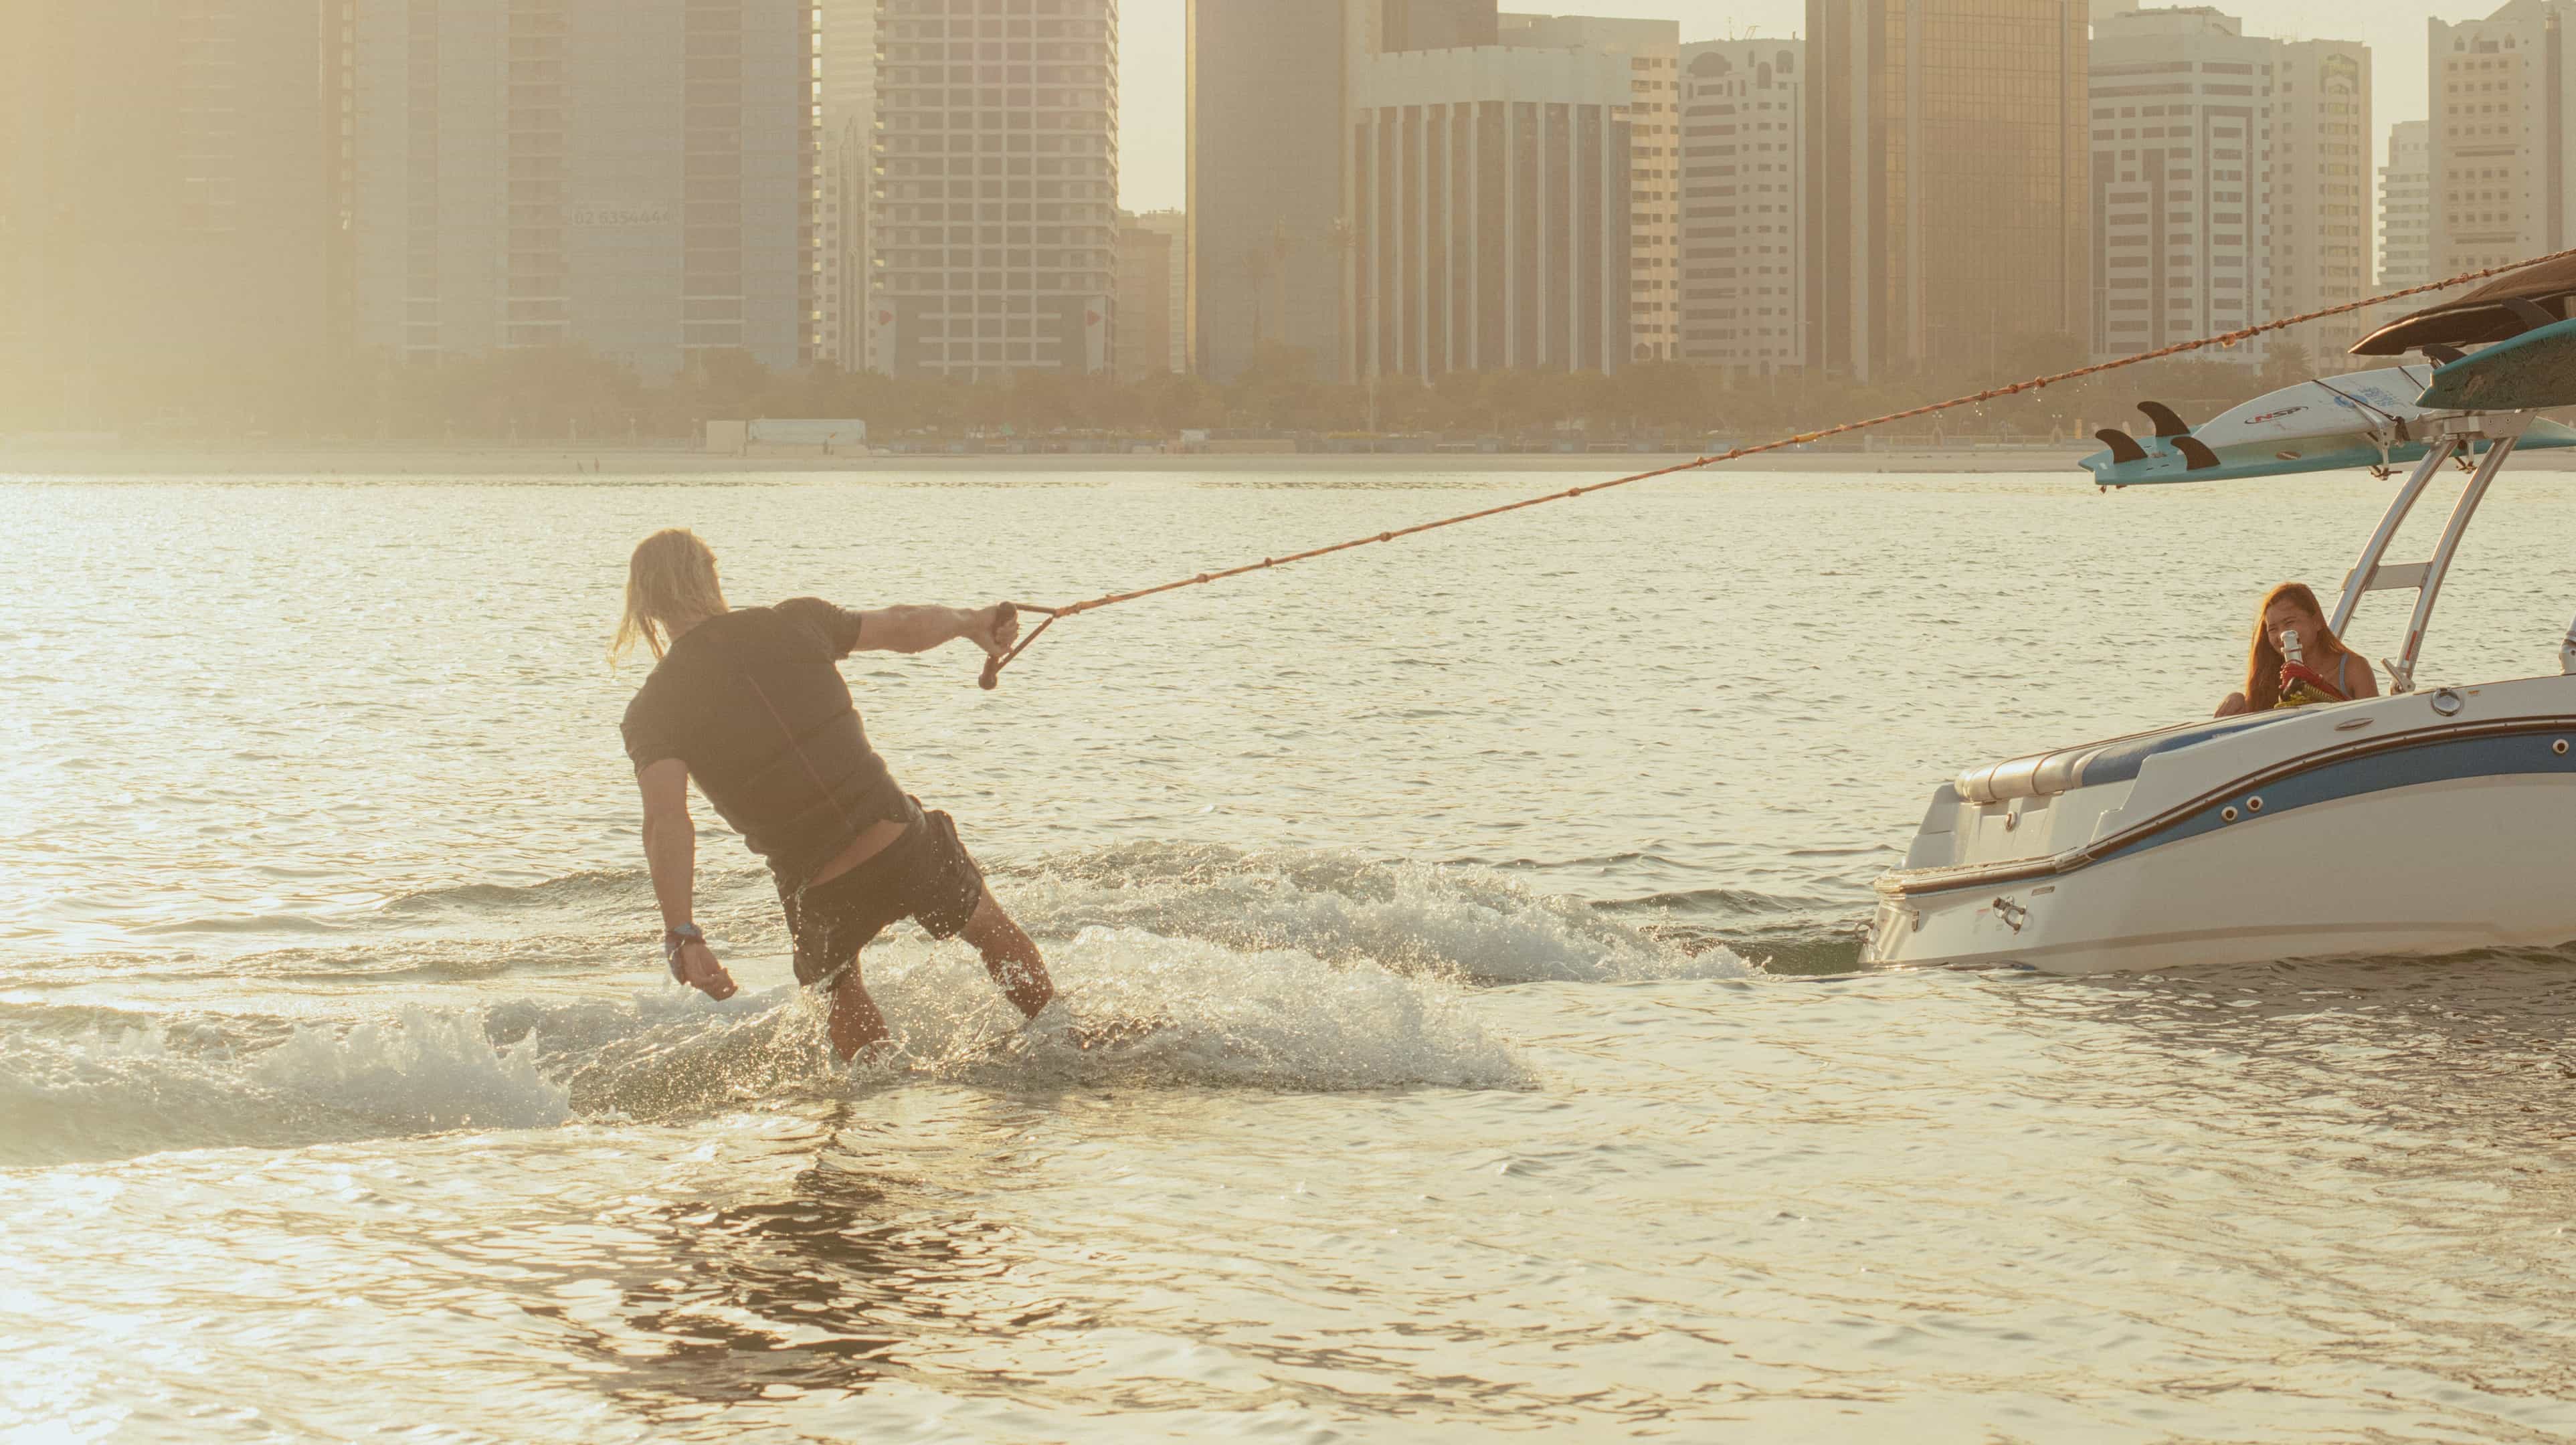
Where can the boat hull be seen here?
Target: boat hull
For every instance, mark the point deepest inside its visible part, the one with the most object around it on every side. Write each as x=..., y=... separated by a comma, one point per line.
x=2445, y=833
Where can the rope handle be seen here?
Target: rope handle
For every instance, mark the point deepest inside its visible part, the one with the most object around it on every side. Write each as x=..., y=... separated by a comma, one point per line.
x=993, y=665
x=995, y=662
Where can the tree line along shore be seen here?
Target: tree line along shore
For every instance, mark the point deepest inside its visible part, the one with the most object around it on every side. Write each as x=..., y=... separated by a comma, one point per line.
x=542, y=397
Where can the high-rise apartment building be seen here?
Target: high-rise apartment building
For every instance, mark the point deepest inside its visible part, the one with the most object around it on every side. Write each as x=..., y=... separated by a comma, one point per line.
x=1652, y=51
x=1276, y=253
x=1743, y=203
x=2503, y=97
x=1268, y=225
x=846, y=57
x=2320, y=192
x=1144, y=339
x=2227, y=180
x=634, y=177
x=2182, y=142
x=1285, y=239
x=2406, y=208
x=993, y=223
x=165, y=215
x=1947, y=201
x=1491, y=202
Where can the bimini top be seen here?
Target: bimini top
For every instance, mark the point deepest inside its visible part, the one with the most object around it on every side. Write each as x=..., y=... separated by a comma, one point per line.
x=2502, y=309
x=2362, y=419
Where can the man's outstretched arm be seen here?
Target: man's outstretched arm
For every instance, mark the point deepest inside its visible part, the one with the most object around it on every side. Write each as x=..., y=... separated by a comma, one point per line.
x=671, y=851
x=919, y=629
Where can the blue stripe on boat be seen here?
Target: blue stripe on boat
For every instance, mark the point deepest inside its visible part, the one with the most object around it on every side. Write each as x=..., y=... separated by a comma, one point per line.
x=2440, y=761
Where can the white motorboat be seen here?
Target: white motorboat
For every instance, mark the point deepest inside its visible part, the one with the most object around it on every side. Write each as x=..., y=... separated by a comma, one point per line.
x=2415, y=823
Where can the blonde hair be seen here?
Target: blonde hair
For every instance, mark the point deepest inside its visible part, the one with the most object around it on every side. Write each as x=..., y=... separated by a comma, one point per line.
x=671, y=578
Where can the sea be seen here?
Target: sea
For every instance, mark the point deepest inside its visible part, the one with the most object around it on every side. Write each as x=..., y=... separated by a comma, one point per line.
x=1478, y=914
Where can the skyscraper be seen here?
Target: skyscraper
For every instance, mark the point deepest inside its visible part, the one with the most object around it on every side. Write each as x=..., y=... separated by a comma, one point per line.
x=2182, y=156
x=635, y=177
x=2406, y=208
x=2504, y=171
x=164, y=204
x=2320, y=193
x=1652, y=50
x=993, y=222
x=1268, y=228
x=1947, y=216
x=1743, y=203
x=2227, y=180
x=1491, y=195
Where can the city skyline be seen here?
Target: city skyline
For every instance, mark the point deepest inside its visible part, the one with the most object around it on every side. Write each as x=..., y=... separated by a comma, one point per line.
x=1386, y=186
x=1152, y=62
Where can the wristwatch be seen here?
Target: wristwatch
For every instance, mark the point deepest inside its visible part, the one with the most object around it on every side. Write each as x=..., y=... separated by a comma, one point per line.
x=675, y=939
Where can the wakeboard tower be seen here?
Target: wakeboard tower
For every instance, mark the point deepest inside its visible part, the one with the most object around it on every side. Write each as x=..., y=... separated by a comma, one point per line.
x=2416, y=823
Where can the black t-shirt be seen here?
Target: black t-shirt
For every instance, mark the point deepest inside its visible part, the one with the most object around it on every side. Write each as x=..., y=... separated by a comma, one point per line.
x=754, y=703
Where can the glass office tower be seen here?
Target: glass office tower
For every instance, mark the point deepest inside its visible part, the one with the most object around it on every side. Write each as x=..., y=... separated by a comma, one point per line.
x=1947, y=166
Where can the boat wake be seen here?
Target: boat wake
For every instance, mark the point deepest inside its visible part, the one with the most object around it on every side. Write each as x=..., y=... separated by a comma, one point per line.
x=114, y=1087
x=100, y=1084
x=1210, y=967
x=1472, y=925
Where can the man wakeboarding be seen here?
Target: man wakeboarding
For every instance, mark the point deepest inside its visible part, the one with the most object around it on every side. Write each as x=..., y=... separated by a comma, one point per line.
x=750, y=705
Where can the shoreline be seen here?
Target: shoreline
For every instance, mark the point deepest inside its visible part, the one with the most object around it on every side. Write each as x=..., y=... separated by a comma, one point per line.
x=633, y=463
x=638, y=463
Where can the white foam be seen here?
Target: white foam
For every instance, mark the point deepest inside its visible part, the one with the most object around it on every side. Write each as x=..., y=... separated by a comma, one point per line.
x=1183, y=1010
x=674, y=1051
x=422, y=1070
x=1200, y=1013
x=1466, y=923
x=124, y=1089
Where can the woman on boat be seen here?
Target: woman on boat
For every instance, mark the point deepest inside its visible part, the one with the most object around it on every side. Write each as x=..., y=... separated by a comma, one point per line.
x=2326, y=670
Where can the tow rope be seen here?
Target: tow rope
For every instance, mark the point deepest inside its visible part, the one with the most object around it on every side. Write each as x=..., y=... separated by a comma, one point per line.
x=993, y=665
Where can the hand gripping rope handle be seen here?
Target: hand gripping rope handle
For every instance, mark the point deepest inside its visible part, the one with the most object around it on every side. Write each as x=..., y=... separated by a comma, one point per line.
x=993, y=665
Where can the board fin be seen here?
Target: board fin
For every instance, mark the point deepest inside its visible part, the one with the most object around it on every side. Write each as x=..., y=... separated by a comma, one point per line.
x=2167, y=424
x=2124, y=447
x=2530, y=313
x=2196, y=452
x=2443, y=355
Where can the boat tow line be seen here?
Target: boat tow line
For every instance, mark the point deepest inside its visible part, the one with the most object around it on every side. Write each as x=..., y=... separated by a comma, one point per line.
x=993, y=665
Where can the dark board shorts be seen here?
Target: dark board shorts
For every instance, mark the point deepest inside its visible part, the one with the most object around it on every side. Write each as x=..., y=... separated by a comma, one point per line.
x=926, y=875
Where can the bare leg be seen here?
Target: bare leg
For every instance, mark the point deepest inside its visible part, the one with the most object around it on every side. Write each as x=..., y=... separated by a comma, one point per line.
x=855, y=1021
x=1009, y=956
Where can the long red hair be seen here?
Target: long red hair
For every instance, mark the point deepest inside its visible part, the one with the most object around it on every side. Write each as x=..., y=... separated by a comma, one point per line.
x=2263, y=662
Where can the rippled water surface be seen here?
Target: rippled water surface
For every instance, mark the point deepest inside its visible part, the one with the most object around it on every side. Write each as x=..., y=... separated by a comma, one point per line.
x=1493, y=895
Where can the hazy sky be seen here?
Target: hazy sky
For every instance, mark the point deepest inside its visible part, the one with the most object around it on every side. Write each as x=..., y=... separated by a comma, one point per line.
x=1151, y=79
